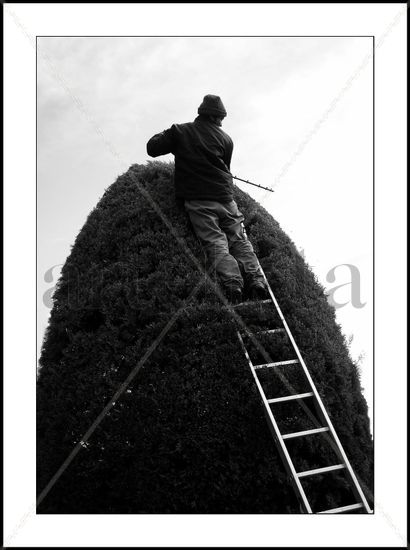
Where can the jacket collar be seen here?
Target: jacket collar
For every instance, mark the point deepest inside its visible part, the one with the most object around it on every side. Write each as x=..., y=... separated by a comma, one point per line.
x=205, y=120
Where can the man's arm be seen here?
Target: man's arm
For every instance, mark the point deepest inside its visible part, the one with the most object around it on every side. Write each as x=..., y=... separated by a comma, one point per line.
x=161, y=144
x=228, y=154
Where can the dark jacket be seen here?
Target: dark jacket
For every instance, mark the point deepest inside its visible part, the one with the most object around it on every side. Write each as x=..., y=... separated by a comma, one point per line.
x=203, y=154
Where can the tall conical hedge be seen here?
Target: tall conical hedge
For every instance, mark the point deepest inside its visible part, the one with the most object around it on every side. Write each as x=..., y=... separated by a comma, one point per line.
x=188, y=435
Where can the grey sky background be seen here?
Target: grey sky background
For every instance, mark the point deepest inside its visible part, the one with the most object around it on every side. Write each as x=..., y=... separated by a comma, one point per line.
x=275, y=91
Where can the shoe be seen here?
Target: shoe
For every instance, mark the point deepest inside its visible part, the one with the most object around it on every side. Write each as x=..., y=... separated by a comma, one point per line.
x=257, y=290
x=234, y=294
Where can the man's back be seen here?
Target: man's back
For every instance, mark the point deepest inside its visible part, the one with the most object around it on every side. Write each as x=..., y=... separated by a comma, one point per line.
x=203, y=154
x=203, y=180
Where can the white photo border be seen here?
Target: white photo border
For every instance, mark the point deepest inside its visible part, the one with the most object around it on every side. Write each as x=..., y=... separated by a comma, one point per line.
x=387, y=23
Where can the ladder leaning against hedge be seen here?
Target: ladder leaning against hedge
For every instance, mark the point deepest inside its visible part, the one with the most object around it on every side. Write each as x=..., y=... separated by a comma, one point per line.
x=280, y=439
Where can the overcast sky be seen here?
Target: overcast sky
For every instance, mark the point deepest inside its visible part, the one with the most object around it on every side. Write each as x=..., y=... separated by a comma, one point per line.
x=299, y=112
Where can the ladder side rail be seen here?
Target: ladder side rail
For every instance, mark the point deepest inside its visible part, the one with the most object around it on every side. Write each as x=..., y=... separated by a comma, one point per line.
x=356, y=486
x=300, y=493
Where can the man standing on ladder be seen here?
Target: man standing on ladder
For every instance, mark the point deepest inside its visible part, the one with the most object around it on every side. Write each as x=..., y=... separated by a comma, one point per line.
x=203, y=182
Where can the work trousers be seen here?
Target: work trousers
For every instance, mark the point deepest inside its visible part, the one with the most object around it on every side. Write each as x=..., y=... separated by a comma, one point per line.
x=219, y=227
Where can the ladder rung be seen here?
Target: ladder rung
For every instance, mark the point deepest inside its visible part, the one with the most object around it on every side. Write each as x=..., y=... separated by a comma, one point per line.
x=321, y=470
x=277, y=364
x=268, y=331
x=343, y=509
x=252, y=302
x=290, y=397
x=305, y=432
x=271, y=331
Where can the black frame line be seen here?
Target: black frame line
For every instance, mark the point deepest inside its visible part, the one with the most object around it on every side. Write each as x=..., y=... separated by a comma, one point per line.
x=373, y=210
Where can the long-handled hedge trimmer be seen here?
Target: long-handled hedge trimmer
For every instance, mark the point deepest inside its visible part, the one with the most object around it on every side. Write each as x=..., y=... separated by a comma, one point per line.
x=255, y=184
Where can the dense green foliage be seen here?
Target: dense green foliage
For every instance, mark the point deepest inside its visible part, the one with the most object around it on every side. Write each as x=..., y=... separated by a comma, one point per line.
x=188, y=435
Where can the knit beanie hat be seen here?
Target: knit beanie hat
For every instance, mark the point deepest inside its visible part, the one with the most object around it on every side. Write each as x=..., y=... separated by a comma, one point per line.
x=212, y=105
